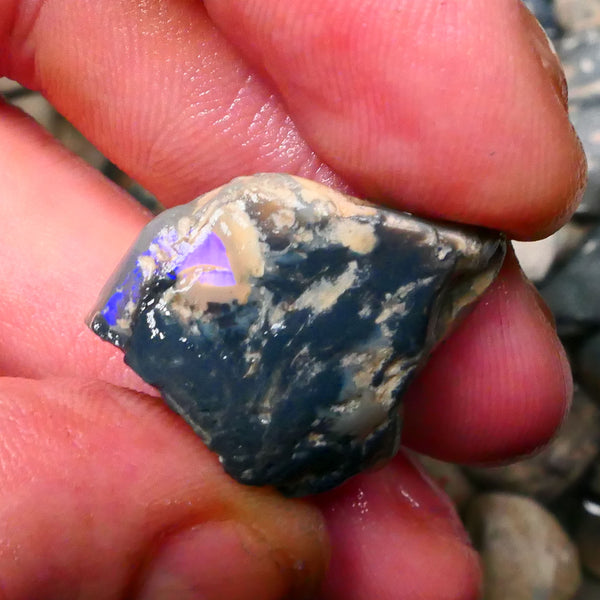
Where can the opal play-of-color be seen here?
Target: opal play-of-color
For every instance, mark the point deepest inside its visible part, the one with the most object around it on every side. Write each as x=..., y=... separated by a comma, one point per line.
x=283, y=320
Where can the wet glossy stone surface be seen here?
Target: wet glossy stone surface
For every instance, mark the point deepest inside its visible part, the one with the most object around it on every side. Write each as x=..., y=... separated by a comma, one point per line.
x=283, y=320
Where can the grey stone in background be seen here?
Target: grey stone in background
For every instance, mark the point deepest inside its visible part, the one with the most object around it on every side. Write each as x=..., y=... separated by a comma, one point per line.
x=588, y=536
x=587, y=533
x=8, y=86
x=573, y=292
x=589, y=590
x=544, y=13
x=557, y=467
x=75, y=142
x=579, y=56
x=450, y=478
x=538, y=258
x=585, y=117
x=588, y=367
x=594, y=480
x=525, y=552
x=35, y=105
x=577, y=15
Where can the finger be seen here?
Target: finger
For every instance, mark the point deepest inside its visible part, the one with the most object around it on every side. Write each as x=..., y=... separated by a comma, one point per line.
x=157, y=89
x=394, y=535
x=434, y=106
x=501, y=126
x=55, y=257
x=498, y=385
x=112, y=496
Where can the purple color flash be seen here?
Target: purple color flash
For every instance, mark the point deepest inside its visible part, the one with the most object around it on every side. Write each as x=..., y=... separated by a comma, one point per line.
x=210, y=260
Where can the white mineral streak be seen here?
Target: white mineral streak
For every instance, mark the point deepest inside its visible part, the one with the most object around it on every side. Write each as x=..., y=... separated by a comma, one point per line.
x=359, y=237
x=253, y=357
x=366, y=408
x=184, y=226
x=317, y=194
x=321, y=296
x=147, y=266
x=283, y=219
x=162, y=255
x=360, y=416
x=397, y=302
x=466, y=296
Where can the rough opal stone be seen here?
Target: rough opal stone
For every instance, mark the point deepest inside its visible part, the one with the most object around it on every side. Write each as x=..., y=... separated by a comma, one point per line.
x=282, y=320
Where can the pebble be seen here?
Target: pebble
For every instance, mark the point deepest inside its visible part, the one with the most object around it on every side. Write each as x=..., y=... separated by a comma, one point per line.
x=588, y=365
x=8, y=85
x=585, y=117
x=525, y=552
x=538, y=258
x=579, y=56
x=587, y=536
x=577, y=15
x=589, y=590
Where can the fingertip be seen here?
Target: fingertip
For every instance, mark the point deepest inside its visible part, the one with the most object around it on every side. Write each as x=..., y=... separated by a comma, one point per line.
x=120, y=475
x=394, y=534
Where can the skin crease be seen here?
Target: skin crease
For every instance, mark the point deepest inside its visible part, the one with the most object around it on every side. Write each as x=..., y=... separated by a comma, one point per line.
x=184, y=96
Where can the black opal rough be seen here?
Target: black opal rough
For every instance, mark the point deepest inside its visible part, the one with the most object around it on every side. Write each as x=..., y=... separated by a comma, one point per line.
x=283, y=320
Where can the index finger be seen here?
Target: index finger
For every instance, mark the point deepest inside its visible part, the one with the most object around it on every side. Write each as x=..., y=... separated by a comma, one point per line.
x=431, y=107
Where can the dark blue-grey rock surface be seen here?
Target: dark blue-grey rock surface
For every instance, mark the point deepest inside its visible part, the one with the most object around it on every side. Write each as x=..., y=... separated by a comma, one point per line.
x=283, y=320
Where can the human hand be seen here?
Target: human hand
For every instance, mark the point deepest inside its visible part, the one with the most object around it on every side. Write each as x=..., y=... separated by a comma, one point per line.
x=446, y=109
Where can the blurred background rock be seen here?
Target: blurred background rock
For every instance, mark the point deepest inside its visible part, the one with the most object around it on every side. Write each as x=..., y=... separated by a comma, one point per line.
x=536, y=522
x=36, y=106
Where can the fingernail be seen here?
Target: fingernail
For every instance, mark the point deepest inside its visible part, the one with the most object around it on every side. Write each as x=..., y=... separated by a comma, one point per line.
x=544, y=48
x=216, y=561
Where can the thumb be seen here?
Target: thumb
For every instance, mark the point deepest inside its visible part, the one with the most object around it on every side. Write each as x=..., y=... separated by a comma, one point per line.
x=108, y=494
